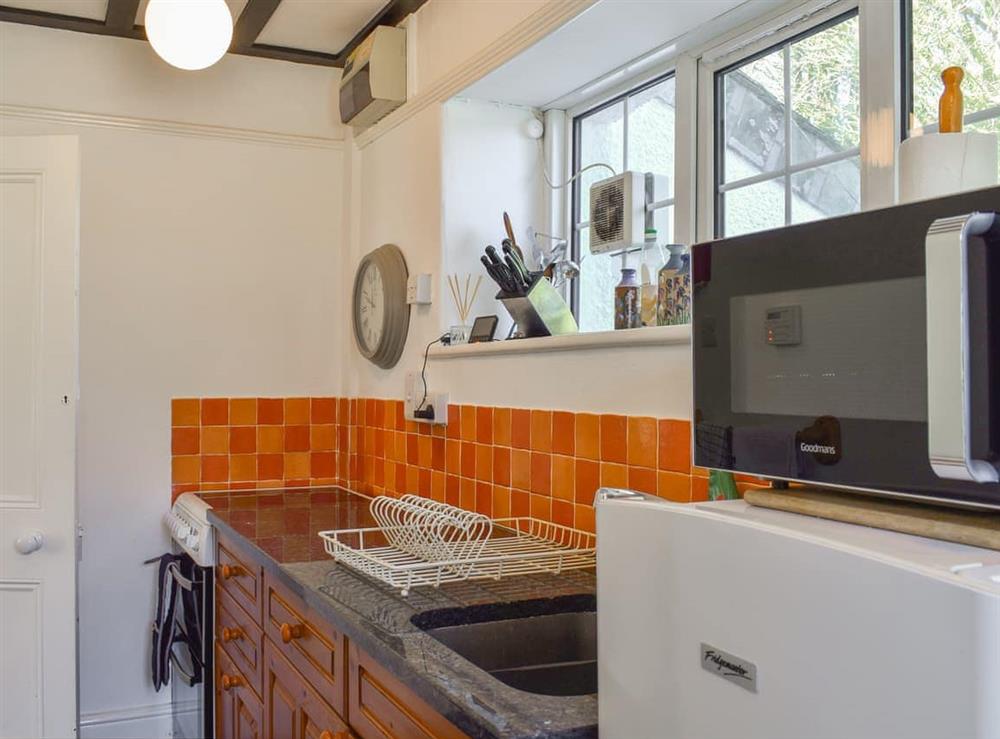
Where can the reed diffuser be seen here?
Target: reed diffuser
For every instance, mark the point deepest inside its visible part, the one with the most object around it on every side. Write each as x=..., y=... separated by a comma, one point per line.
x=464, y=295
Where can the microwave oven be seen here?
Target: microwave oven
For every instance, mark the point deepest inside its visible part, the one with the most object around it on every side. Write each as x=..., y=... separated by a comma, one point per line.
x=860, y=352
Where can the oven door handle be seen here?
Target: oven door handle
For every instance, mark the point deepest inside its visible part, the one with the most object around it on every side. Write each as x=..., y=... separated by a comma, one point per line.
x=949, y=391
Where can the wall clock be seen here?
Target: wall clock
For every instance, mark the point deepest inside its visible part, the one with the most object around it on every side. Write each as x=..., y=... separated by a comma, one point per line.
x=381, y=313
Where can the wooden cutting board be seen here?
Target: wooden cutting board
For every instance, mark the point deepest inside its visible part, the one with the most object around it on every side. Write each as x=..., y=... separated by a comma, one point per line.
x=958, y=525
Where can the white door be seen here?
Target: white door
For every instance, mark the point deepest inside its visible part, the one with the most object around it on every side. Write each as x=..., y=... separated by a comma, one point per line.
x=39, y=225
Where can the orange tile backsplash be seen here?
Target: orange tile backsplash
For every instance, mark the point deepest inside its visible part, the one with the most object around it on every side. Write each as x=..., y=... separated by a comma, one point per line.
x=499, y=461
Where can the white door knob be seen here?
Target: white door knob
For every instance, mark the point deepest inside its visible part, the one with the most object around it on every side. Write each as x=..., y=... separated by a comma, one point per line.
x=30, y=542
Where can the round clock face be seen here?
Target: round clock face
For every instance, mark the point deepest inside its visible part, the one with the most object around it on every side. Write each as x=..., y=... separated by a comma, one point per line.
x=381, y=314
x=372, y=306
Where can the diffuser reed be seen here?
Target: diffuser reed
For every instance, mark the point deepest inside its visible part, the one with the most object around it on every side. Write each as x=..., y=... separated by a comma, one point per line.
x=464, y=297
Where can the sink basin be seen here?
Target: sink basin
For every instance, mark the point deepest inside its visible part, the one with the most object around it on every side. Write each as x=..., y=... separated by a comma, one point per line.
x=546, y=646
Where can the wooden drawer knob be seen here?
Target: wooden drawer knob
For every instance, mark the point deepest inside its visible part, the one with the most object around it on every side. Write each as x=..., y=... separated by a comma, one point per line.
x=327, y=734
x=291, y=631
x=228, y=571
x=231, y=634
x=231, y=681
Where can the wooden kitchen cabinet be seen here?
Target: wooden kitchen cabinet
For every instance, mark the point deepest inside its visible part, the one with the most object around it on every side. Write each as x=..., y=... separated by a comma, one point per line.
x=238, y=713
x=292, y=708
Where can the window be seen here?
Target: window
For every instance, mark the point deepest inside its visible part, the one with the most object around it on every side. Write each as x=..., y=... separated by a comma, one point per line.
x=634, y=131
x=788, y=132
x=945, y=33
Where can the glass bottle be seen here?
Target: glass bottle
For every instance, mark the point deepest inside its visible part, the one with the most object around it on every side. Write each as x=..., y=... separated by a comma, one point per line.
x=627, y=301
x=679, y=293
x=648, y=288
x=667, y=271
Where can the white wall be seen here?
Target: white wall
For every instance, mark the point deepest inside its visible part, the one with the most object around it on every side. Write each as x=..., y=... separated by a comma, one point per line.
x=208, y=265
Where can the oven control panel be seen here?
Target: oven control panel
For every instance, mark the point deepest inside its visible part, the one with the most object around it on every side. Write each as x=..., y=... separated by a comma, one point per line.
x=783, y=325
x=187, y=522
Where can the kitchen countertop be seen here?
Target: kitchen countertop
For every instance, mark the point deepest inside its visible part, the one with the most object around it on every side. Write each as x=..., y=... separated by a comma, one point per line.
x=281, y=527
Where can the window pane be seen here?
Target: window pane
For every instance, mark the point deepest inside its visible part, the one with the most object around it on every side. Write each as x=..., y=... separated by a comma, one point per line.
x=651, y=133
x=826, y=92
x=601, y=140
x=947, y=33
x=754, y=100
x=599, y=273
x=754, y=207
x=828, y=191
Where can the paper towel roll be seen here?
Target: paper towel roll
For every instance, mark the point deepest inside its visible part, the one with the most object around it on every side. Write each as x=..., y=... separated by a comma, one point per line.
x=938, y=164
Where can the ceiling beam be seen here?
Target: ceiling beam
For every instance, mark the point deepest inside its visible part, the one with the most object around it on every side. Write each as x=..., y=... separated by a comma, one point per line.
x=120, y=18
x=255, y=15
x=391, y=15
x=302, y=56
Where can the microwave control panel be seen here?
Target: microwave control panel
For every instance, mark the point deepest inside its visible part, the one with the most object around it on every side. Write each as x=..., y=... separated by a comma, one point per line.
x=783, y=325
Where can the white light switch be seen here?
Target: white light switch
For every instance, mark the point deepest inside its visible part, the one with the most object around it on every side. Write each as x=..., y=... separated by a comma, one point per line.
x=418, y=289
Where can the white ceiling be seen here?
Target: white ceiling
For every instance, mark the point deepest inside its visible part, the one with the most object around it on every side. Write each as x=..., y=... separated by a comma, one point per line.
x=318, y=26
x=95, y=9
x=602, y=39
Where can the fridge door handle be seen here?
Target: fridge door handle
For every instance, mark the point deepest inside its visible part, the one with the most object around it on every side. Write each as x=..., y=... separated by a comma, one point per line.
x=949, y=394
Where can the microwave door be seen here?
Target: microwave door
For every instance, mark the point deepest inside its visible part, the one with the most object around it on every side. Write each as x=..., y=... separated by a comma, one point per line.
x=962, y=312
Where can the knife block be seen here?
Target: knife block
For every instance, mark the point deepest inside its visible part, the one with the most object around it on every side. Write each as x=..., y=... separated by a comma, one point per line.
x=541, y=312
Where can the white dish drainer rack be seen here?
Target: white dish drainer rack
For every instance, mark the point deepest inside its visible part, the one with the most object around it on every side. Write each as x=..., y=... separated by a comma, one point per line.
x=425, y=542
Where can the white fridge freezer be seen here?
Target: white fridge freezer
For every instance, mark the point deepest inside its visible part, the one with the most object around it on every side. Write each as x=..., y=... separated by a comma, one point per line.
x=725, y=621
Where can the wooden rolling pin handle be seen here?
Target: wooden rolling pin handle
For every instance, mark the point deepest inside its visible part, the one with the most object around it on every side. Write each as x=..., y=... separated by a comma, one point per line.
x=290, y=631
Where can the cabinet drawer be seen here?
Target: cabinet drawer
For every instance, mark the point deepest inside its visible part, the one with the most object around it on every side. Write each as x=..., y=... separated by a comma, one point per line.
x=293, y=709
x=238, y=711
x=239, y=578
x=240, y=637
x=313, y=647
x=381, y=707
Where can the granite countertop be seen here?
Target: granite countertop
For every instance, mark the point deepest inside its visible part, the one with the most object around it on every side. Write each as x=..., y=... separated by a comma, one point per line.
x=282, y=526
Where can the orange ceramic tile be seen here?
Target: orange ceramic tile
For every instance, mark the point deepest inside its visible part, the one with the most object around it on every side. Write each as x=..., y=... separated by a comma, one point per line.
x=344, y=410
x=501, y=465
x=412, y=449
x=323, y=438
x=501, y=426
x=215, y=440
x=270, y=411
x=562, y=512
x=467, y=498
x=452, y=485
x=296, y=465
x=520, y=428
x=425, y=451
x=563, y=433
x=424, y=483
x=185, y=412
x=584, y=518
x=588, y=480
x=468, y=422
x=453, y=457
x=185, y=469
x=401, y=478
x=699, y=489
x=501, y=501
x=642, y=441
x=323, y=464
x=296, y=438
x=243, y=411
x=243, y=467
x=614, y=430
x=520, y=469
x=270, y=466
x=588, y=436
x=214, y=411
x=185, y=440
x=699, y=471
x=674, y=445
x=614, y=475
x=563, y=477
x=437, y=486
x=541, y=473
x=541, y=507
x=379, y=420
x=484, y=462
x=484, y=498
x=484, y=424
x=520, y=503
x=541, y=431
x=296, y=411
x=322, y=410
x=215, y=468
x=270, y=439
x=642, y=479
x=438, y=453
x=468, y=459
x=454, y=422
x=242, y=439
x=673, y=486
x=389, y=475
x=412, y=480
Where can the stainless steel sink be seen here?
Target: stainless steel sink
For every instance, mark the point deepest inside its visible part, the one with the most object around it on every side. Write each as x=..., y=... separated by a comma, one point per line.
x=544, y=646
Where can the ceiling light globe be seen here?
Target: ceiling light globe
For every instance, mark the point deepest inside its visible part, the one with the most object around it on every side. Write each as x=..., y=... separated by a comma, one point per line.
x=189, y=34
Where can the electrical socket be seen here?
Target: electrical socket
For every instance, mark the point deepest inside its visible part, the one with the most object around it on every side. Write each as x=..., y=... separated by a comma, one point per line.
x=414, y=393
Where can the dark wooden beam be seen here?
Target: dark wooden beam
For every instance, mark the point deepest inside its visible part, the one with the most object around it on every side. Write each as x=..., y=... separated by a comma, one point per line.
x=120, y=18
x=302, y=56
x=394, y=12
x=63, y=22
x=251, y=22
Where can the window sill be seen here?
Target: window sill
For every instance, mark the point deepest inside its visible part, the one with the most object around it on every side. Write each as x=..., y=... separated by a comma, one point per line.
x=639, y=337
